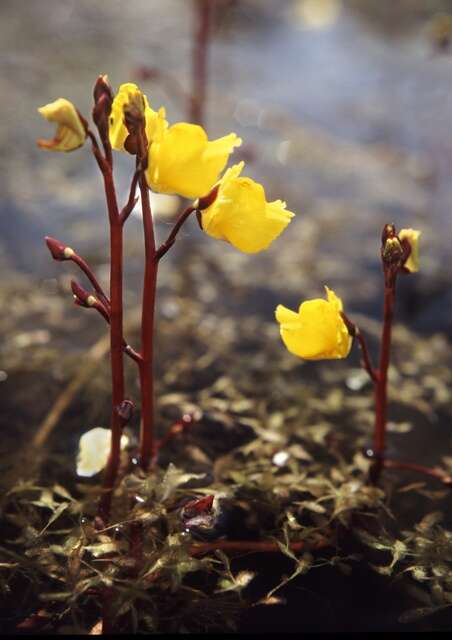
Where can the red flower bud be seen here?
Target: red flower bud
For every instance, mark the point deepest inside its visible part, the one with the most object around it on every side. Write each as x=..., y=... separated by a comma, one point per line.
x=103, y=100
x=82, y=297
x=58, y=250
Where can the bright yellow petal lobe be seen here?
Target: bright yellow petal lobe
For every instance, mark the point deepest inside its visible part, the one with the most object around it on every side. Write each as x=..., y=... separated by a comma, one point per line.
x=183, y=161
x=70, y=133
x=317, y=331
x=129, y=95
x=412, y=236
x=242, y=216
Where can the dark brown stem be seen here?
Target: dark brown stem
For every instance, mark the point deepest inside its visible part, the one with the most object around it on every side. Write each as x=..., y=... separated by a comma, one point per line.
x=419, y=468
x=147, y=330
x=381, y=385
x=202, y=20
x=171, y=239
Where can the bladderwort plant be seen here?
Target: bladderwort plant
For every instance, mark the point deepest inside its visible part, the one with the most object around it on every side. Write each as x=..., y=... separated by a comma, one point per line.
x=320, y=330
x=177, y=159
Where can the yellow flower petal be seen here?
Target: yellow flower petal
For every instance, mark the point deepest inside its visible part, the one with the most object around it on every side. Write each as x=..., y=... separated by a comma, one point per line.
x=242, y=216
x=317, y=331
x=412, y=236
x=70, y=133
x=129, y=94
x=183, y=161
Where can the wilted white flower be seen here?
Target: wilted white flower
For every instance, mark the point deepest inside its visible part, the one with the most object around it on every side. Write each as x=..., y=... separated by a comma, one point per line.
x=93, y=451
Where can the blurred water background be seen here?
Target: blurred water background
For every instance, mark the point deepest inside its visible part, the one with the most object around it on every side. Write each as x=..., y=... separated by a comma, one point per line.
x=345, y=108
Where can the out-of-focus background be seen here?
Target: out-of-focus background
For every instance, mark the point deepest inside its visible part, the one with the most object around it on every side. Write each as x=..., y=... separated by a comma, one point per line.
x=345, y=109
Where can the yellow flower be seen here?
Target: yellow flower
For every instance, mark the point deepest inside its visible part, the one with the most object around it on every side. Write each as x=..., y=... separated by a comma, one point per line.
x=242, y=216
x=70, y=133
x=130, y=96
x=317, y=331
x=412, y=237
x=183, y=161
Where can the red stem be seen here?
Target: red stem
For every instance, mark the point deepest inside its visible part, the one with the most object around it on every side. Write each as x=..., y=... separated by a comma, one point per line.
x=367, y=364
x=381, y=385
x=366, y=361
x=199, y=548
x=171, y=239
x=147, y=330
x=202, y=13
x=92, y=278
x=131, y=202
x=116, y=340
x=419, y=468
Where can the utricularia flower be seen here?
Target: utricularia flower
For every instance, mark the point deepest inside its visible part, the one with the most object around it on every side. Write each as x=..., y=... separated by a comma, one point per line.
x=241, y=214
x=317, y=331
x=182, y=160
x=70, y=133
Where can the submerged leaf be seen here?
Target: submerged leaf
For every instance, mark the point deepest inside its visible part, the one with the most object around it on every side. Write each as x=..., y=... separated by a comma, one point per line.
x=173, y=479
x=56, y=514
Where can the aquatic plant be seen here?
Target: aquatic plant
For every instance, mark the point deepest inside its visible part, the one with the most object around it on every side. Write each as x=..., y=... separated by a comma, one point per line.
x=321, y=331
x=173, y=159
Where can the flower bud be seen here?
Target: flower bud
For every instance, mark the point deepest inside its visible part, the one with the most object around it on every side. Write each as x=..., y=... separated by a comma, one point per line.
x=392, y=250
x=81, y=296
x=103, y=100
x=58, y=250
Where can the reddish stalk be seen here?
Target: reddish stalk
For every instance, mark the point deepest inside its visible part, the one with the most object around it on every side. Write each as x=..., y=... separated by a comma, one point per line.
x=366, y=362
x=116, y=334
x=381, y=383
x=202, y=16
x=147, y=330
x=250, y=546
x=419, y=468
x=171, y=239
x=78, y=260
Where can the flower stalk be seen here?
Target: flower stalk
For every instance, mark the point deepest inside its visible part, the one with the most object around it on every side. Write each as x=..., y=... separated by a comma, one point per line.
x=147, y=330
x=116, y=338
x=381, y=381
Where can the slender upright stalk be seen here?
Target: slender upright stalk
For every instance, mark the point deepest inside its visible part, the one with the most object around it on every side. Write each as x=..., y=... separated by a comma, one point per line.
x=147, y=329
x=116, y=338
x=201, y=33
x=381, y=386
